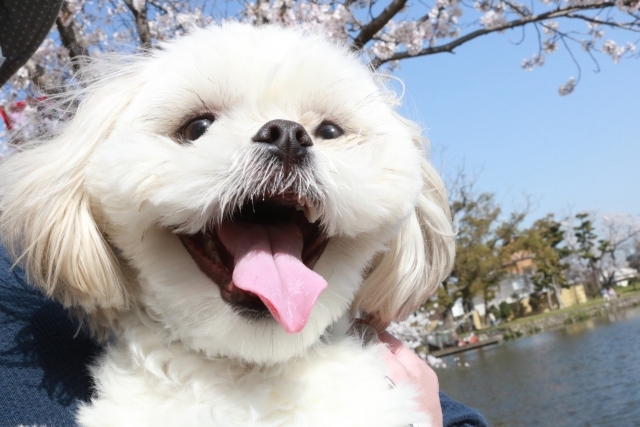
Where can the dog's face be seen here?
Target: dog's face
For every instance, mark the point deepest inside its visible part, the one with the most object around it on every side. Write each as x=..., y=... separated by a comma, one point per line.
x=252, y=186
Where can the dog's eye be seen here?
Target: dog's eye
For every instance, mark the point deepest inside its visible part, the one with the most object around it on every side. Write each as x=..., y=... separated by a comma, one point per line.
x=328, y=130
x=196, y=128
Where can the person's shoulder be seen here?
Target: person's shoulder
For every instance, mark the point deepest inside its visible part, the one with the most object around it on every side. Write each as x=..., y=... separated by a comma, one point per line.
x=455, y=414
x=43, y=355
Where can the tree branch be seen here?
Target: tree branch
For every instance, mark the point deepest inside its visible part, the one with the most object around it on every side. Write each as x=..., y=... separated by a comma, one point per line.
x=628, y=26
x=449, y=47
x=376, y=24
x=573, y=58
x=158, y=6
x=142, y=23
x=260, y=18
x=66, y=24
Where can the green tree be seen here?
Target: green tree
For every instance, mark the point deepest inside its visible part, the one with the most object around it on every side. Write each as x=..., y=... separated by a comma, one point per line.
x=590, y=250
x=544, y=240
x=505, y=310
x=634, y=258
x=483, y=247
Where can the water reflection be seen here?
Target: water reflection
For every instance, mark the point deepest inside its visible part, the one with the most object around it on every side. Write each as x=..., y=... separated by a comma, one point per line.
x=586, y=374
x=578, y=328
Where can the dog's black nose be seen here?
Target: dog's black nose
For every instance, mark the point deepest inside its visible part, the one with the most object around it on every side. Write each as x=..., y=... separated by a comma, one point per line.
x=289, y=141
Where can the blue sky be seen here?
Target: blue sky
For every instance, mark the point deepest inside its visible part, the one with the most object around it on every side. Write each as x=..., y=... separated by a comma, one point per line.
x=512, y=129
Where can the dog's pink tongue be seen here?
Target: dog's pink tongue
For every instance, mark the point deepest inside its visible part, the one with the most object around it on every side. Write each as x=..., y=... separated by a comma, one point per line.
x=268, y=263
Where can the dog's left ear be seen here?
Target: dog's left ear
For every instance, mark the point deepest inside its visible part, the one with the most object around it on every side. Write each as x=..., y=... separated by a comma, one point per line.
x=46, y=219
x=417, y=260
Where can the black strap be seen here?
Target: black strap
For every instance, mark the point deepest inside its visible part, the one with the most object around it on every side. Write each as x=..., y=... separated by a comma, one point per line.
x=24, y=24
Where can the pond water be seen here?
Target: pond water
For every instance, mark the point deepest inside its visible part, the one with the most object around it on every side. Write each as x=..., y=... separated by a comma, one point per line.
x=584, y=375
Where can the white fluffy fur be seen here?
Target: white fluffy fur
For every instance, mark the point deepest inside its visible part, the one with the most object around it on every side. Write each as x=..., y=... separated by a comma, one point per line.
x=91, y=214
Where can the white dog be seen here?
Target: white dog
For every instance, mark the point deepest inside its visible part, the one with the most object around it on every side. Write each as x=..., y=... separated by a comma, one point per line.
x=225, y=206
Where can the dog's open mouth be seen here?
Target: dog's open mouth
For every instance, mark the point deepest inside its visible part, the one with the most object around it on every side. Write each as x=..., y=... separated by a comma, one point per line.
x=262, y=259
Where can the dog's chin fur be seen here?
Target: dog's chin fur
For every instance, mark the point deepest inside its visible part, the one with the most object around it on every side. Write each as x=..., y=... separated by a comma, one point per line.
x=94, y=215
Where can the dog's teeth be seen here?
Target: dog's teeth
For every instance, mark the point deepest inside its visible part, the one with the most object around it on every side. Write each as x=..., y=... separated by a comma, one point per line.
x=212, y=251
x=299, y=207
x=311, y=213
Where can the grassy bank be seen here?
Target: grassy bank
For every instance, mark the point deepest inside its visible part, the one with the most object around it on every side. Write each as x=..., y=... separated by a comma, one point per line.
x=557, y=318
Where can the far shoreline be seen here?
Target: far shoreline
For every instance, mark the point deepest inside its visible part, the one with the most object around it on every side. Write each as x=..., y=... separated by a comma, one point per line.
x=551, y=320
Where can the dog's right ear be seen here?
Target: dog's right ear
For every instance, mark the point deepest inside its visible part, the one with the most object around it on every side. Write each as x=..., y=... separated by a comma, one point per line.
x=46, y=223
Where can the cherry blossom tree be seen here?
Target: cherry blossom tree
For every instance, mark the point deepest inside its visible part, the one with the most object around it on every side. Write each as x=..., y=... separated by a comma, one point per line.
x=385, y=32
x=398, y=30
x=86, y=28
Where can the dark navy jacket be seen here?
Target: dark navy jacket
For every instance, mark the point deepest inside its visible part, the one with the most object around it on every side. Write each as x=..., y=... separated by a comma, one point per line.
x=44, y=359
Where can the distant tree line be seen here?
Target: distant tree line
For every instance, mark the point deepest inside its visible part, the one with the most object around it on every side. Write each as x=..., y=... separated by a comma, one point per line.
x=586, y=248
